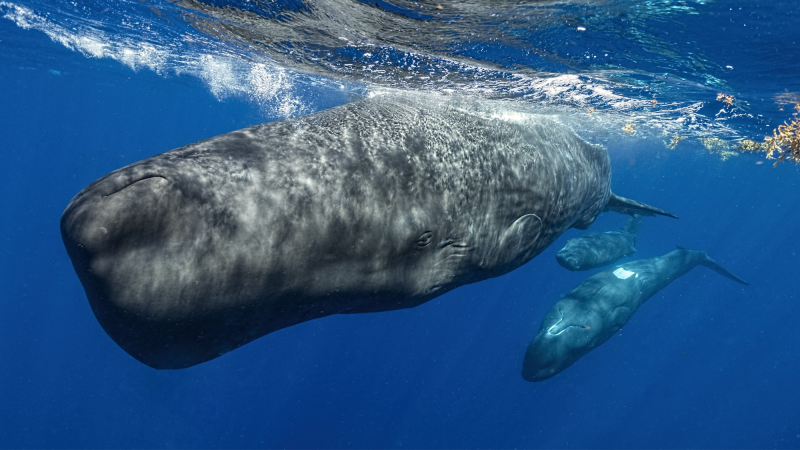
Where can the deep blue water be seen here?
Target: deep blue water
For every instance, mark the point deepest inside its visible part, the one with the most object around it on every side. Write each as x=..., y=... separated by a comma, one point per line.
x=706, y=363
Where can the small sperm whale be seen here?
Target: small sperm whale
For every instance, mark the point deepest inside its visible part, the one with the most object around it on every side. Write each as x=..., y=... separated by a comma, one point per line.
x=594, y=250
x=600, y=306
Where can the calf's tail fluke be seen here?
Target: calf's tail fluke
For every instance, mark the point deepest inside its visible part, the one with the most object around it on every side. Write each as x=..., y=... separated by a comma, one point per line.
x=624, y=205
x=713, y=265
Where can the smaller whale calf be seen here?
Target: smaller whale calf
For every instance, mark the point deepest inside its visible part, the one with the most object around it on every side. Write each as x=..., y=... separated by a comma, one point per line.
x=594, y=250
x=600, y=306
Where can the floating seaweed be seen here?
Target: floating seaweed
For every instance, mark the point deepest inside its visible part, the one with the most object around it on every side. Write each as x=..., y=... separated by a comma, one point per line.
x=718, y=146
x=784, y=144
x=673, y=141
x=725, y=98
x=749, y=145
x=785, y=140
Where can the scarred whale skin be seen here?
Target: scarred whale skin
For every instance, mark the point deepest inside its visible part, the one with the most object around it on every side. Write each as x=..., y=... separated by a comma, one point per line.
x=376, y=205
x=600, y=306
x=593, y=250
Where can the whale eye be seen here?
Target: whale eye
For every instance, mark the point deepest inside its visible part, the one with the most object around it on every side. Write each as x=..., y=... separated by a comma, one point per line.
x=425, y=239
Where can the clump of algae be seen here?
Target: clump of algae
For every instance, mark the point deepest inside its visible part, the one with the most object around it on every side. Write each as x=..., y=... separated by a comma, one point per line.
x=784, y=144
x=673, y=141
x=718, y=146
x=725, y=98
x=749, y=145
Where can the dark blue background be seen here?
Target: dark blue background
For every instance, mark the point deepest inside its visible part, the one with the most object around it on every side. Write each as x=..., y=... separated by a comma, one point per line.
x=705, y=363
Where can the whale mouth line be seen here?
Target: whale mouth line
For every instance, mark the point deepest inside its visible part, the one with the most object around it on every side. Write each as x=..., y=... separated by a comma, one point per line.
x=131, y=183
x=550, y=330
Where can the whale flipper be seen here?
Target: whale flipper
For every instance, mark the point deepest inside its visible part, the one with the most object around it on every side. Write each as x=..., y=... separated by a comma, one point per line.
x=624, y=205
x=519, y=239
x=713, y=265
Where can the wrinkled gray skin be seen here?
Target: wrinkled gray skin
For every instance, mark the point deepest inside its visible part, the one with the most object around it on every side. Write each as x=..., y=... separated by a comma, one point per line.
x=599, y=307
x=594, y=250
x=372, y=206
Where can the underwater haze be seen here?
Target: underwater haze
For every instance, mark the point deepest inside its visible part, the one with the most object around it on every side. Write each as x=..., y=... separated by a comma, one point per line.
x=673, y=90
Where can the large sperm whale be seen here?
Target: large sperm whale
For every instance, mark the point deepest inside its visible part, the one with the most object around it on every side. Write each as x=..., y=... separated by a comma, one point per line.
x=372, y=206
x=599, y=307
x=594, y=250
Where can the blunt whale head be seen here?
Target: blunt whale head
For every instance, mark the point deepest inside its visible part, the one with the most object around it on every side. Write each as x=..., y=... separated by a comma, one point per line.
x=149, y=222
x=571, y=256
x=567, y=333
x=184, y=259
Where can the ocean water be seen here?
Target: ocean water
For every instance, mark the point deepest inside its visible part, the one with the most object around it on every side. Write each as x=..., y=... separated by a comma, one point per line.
x=90, y=86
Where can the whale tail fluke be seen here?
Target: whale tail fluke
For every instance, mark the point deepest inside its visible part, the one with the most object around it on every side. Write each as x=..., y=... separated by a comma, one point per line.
x=713, y=265
x=624, y=205
x=633, y=225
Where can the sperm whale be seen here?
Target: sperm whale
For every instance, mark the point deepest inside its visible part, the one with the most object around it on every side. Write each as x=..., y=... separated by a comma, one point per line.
x=599, y=307
x=375, y=205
